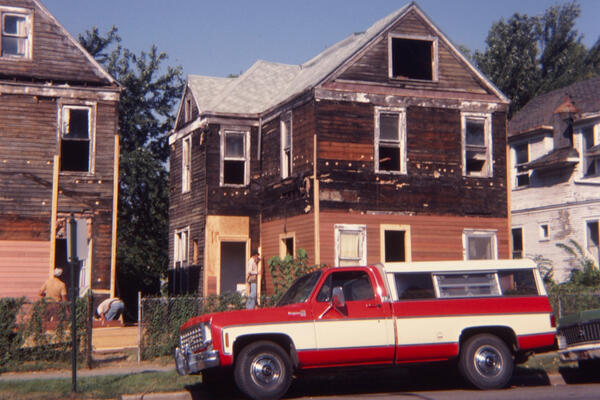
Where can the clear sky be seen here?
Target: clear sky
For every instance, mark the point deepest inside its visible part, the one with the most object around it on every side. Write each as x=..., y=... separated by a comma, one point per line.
x=219, y=37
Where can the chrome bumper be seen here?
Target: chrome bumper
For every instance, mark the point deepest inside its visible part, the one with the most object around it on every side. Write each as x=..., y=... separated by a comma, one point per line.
x=187, y=362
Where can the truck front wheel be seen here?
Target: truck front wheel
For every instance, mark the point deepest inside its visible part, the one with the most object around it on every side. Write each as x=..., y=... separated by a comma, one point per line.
x=263, y=370
x=486, y=362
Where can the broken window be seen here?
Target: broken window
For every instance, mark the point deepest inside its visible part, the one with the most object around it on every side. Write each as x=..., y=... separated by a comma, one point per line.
x=521, y=154
x=593, y=243
x=394, y=246
x=234, y=167
x=286, y=245
x=480, y=245
x=286, y=146
x=76, y=139
x=591, y=151
x=412, y=58
x=186, y=164
x=350, y=245
x=181, y=247
x=517, y=243
x=16, y=30
x=476, y=138
x=390, y=140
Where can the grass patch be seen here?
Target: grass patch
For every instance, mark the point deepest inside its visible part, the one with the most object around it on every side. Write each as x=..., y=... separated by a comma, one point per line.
x=99, y=387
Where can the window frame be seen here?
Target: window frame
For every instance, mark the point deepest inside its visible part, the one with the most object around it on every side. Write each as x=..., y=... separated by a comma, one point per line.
x=544, y=231
x=27, y=14
x=186, y=164
x=181, y=254
x=595, y=253
x=434, y=56
x=522, y=229
x=282, y=246
x=487, y=170
x=586, y=160
x=91, y=108
x=361, y=230
x=245, y=132
x=383, y=228
x=286, y=164
x=516, y=165
x=469, y=233
x=400, y=143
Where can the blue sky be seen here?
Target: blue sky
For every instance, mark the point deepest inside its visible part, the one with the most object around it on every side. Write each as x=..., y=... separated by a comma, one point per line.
x=216, y=38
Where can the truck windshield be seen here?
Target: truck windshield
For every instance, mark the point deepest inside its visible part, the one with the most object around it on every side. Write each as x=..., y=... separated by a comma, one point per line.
x=300, y=289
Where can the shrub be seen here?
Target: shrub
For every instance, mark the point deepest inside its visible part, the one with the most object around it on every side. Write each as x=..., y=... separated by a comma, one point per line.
x=285, y=272
x=11, y=337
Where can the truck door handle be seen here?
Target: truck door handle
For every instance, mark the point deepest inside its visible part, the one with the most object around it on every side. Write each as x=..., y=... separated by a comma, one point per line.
x=375, y=305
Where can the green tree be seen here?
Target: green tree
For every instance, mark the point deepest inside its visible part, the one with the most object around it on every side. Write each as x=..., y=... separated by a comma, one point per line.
x=528, y=56
x=585, y=271
x=150, y=93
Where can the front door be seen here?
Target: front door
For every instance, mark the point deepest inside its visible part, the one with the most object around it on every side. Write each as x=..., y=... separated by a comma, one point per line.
x=233, y=266
x=361, y=332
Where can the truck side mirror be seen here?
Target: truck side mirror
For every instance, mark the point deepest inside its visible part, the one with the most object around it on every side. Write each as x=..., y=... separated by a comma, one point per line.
x=338, y=299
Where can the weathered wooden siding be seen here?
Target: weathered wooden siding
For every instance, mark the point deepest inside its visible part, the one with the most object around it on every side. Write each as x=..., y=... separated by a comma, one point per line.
x=54, y=56
x=432, y=237
x=372, y=65
x=24, y=267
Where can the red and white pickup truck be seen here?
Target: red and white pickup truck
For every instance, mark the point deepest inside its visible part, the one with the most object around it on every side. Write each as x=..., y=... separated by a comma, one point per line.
x=485, y=314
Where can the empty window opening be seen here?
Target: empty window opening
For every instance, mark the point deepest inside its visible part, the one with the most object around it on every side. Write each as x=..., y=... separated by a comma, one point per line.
x=75, y=139
x=234, y=159
x=593, y=244
x=15, y=34
x=395, y=246
x=288, y=245
x=517, y=243
x=544, y=232
x=390, y=141
x=412, y=58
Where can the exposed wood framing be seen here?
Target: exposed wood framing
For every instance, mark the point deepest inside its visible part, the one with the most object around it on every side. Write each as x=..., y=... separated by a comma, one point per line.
x=53, y=213
x=115, y=208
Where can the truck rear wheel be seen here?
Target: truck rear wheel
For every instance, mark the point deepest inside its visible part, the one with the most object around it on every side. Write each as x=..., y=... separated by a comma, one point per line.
x=263, y=370
x=486, y=362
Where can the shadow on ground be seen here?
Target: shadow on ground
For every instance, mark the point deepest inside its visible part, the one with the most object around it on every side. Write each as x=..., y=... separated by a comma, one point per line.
x=371, y=381
x=573, y=375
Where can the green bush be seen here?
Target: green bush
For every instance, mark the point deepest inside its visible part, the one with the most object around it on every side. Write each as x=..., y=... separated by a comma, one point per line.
x=285, y=272
x=11, y=337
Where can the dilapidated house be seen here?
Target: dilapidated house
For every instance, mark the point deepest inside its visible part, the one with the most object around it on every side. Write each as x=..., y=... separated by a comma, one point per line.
x=58, y=154
x=555, y=179
x=387, y=146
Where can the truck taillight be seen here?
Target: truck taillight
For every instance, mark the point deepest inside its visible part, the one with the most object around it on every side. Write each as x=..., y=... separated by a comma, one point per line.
x=552, y=320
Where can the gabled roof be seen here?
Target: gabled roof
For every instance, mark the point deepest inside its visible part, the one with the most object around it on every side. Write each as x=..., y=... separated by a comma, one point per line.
x=584, y=98
x=266, y=85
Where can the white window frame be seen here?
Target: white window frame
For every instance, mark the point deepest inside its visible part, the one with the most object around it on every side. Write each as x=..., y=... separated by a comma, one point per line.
x=407, y=241
x=491, y=233
x=586, y=161
x=63, y=123
x=246, y=157
x=286, y=149
x=360, y=230
x=400, y=143
x=434, y=56
x=26, y=36
x=487, y=170
x=515, y=165
x=181, y=247
x=186, y=164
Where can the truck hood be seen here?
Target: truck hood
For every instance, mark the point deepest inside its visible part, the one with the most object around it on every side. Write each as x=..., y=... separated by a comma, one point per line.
x=292, y=312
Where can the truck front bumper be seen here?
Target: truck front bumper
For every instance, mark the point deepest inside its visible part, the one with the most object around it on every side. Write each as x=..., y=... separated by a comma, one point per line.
x=187, y=362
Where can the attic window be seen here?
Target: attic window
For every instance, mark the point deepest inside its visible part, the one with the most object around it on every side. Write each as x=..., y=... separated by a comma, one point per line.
x=16, y=32
x=413, y=58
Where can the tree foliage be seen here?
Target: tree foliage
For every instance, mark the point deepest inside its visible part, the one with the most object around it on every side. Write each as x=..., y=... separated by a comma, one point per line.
x=528, y=56
x=150, y=92
x=585, y=272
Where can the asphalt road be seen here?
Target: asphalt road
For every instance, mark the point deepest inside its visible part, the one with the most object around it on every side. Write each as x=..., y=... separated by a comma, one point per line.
x=427, y=383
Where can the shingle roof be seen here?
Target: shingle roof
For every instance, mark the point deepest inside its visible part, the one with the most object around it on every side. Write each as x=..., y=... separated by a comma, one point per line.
x=584, y=95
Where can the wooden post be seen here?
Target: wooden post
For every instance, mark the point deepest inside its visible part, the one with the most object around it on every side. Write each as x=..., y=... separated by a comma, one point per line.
x=53, y=214
x=115, y=210
x=316, y=204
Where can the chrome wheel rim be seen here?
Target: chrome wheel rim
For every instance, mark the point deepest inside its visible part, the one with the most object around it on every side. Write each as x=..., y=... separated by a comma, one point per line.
x=488, y=361
x=265, y=370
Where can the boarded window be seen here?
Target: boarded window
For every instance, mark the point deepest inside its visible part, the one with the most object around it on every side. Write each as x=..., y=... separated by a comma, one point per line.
x=351, y=245
x=286, y=146
x=517, y=243
x=412, y=58
x=411, y=286
x=234, y=158
x=16, y=28
x=390, y=140
x=75, y=146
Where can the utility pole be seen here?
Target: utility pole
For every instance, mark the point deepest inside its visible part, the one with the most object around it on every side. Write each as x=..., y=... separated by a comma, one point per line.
x=73, y=262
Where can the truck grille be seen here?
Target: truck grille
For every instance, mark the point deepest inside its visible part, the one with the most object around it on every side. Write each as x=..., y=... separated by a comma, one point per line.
x=581, y=333
x=193, y=338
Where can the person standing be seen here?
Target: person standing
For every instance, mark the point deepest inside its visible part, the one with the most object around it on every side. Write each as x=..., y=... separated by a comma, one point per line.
x=54, y=288
x=252, y=279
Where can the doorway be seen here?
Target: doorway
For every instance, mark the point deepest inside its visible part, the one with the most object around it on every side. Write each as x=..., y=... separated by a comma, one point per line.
x=233, y=266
